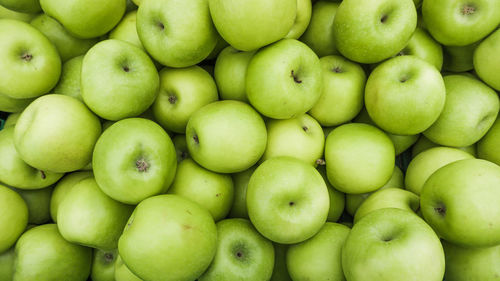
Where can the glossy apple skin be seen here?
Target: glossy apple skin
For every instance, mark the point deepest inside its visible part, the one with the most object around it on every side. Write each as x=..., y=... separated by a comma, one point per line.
x=302, y=19
x=488, y=147
x=464, y=263
x=62, y=188
x=486, y=60
x=69, y=83
x=461, y=202
x=319, y=33
x=14, y=217
x=126, y=30
x=103, y=265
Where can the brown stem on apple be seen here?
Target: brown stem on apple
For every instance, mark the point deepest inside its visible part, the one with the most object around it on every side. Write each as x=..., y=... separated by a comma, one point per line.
x=440, y=209
x=305, y=128
x=321, y=162
x=43, y=175
x=26, y=56
x=295, y=78
x=108, y=257
x=468, y=10
x=142, y=165
x=172, y=99
x=337, y=69
x=196, y=140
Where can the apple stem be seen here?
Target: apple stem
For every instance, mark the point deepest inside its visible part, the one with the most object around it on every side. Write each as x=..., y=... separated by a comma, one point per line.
x=468, y=10
x=26, y=56
x=296, y=78
x=43, y=175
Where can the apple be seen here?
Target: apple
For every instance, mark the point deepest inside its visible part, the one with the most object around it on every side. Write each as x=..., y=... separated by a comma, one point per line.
x=7, y=265
x=122, y=273
x=181, y=149
x=226, y=136
x=426, y=163
x=487, y=147
x=359, y=158
x=287, y=200
x=38, y=202
x=302, y=19
x=118, y=80
x=459, y=58
x=23, y=6
x=250, y=25
x=230, y=72
x=176, y=33
x=405, y=95
x=126, y=30
x=8, y=104
x=242, y=253
x=424, y=143
x=423, y=46
x=319, y=258
x=11, y=14
x=280, y=272
x=103, y=265
x=42, y=254
x=458, y=24
x=84, y=18
x=168, y=238
x=134, y=152
x=337, y=198
x=211, y=190
x=374, y=30
x=343, y=91
x=66, y=184
x=319, y=33
x=240, y=181
x=14, y=217
x=291, y=86
x=392, y=244
x=70, y=84
x=31, y=65
x=460, y=202
x=487, y=61
x=182, y=92
x=470, y=109
x=11, y=120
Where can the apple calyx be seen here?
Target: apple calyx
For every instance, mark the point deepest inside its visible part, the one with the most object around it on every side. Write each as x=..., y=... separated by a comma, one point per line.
x=42, y=174
x=383, y=19
x=440, y=209
x=196, y=140
x=160, y=25
x=295, y=77
x=108, y=257
x=320, y=162
x=26, y=56
x=142, y=165
x=126, y=68
x=172, y=99
x=291, y=203
x=337, y=69
x=468, y=10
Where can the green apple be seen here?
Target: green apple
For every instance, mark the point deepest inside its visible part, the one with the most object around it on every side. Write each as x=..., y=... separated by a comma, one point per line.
x=134, y=152
x=30, y=63
x=426, y=163
x=300, y=137
x=319, y=34
x=176, y=33
x=353, y=201
x=226, y=136
x=459, y=59
x=42, y=254
x=470, y=110
x=461, y=201
x=8, y=104
x=424, y=143
x=123, y=273
x=14, y=217
x=70, y=84
x=319, y=258
x=392, y=244
x=411, y=89
x=181, y=149
x=103, y=265
x=23, y=6
x=302, y=19
x=126, y=30
x=487, y=147
x=11, y=120
x=7, y=265
x=242, y=253
x=287, y=200
x=249, y=25
x=14, y=15
x=85, y=18
x=38, y=202
x=87, y=216
x=374, y=30
x=63, y=187
x=337, y=198
x=486, y=60
x=280, y=272
x=213, y=191
x=118, y=80
x=67, y=45
x=284, y=79
x=455, y=23
x=15, y=172
x=168, y=238
x=423, y=46
x=464, y=263
x=240, y=181
x=359, y=158
x=343, y=91
x=230, y=72
x=182, y=92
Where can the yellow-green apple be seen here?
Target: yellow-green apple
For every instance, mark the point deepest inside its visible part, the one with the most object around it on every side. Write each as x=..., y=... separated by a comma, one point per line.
x=23, y=6
x=181, y=149
x=459, y=58
x=38, y=202
x=486, y=60
x=11, y=120
x=319, y=33
x=103, y=265
x=126, y=30
x=62, y=189
x=123, y=273
x=423, y=46
x=69, y=84
x=14, y=217
x=488, y=147
x=465, y=263
x=7, y=265
x=14, y=15
x=302, y=18
x=8, y=104
x=337, y=198
x=240, y=181
x=424, y=143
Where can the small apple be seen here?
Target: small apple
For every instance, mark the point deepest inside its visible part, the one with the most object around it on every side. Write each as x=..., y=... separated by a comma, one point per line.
x=62, y=189
x=38, y=202
x=319, y=34
x=126, y=30
x=337, y=198
x=181, y=149
x=11, y=120
x=488, y=147
x=486, y=60
x=240, y=180
x=423, y=46
x=14, y=217
x=459, y=58
x=424, y=143
x=70, y=84
x=8, y=104
x=103, y=265
x=302, y=19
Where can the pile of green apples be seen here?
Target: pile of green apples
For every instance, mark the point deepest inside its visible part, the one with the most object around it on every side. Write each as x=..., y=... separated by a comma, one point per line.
x=234, y=140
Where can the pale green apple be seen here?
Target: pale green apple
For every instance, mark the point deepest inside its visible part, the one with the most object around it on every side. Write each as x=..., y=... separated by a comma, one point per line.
x=14, y=217
x=11, y=14
x=56, y=133
x=359, y=158
x=87, y=216
x=459, y=59
x=38, y=202
x=134, y=152
x=176, y=33
x=126, y=30
x=302, y=19
x=464, y=263
x=461, y=201
x=287, y=200
x=85, y=18
x=300, y=137
x=424, y=143
x=173, y=230
x=62, y=189
x=280, y=272
x=11, y=120
x=30, y=63
x=284, y=79
x=250, y=25
x=423, y=46
x=486, y=60
x=103, y=265
x=182, y=92
x=226, y=136
x=319, y=34
x=15, y=172
x=242, y=253
x=181, y=149
x=67, y=45
x=488, y=147
x=230, y=72
x=7, y=265
x=123, y=273
x=369, y=31
x=319, y=258
x=23, y=6
x=118, y=80
x=405, y=95
x=426, y=163
x=240, y=181
x=470, y=109
x=42, y=254
x=343, y=91
x=460, y=23
x=70, y=84
x=8, y=104
x=213, y=191
x=337, y=198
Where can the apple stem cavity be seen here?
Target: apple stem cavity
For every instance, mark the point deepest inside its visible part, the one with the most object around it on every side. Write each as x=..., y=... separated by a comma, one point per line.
x=295, y=78
x=440, y=209
x=337, y=69
x=172, y=99
x=27, y=56
x=142, y=165
x=196, y=140
x=160, y=25
x=468, y=10
x=383, y=19
x=126, y=69
x=321, y=162
x=108, y=257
